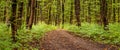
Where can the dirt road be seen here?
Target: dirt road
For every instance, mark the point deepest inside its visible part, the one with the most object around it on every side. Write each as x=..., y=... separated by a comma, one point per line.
x=63, y=40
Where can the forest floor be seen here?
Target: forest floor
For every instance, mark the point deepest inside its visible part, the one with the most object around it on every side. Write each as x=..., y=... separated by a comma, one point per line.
x=64, y=40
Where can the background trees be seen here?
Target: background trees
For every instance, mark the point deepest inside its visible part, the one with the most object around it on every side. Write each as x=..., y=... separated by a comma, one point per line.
x=57, y=12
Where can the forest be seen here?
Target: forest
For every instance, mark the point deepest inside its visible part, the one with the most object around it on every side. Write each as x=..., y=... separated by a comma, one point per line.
x=59, y=24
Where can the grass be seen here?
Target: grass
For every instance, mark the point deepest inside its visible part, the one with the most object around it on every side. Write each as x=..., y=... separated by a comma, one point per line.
x=97, y=33
x=24, y=36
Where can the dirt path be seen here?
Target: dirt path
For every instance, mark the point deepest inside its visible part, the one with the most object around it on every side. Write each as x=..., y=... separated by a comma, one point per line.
x=63, y=40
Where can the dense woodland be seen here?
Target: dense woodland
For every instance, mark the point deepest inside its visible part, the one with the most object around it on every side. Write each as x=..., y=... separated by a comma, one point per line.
x=98, y=20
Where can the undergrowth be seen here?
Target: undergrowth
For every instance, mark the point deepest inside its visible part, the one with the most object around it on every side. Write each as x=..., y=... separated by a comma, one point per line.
x=25, y=37
x=97, y=33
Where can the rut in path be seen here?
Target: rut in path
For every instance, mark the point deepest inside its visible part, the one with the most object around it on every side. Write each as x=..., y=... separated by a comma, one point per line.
x=63, y=40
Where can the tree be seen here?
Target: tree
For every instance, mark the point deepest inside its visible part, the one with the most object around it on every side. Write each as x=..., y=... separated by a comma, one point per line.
x=71, y=13
x=63, y=20
x=77, y=12
x=103, y=12
x=114, y=12
x=13, y=20
x=89, y=14
x=119, y=11
x=32, y=9
x=20, y=14
x=49, y=18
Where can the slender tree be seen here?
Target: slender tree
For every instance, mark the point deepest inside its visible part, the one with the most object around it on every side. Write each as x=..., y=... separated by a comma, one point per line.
x=49, y=18
x=63, y=20
x=58, y=12
x=32, y=8
x=114, y=12
x=13, y=20
x=28, y=12
x=77, y=12
x=103, y=12
x=71, y=13
x=20, y=14
x=89, y=12
x=118, y=12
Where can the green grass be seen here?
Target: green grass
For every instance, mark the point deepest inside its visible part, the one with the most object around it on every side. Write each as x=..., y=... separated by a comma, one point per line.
x=97, y=33
x=24, y=37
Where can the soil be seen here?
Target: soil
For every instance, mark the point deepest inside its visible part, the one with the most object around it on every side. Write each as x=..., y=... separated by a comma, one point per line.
x=64, y=40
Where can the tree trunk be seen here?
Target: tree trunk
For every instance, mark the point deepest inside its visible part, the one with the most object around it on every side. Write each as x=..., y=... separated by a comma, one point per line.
x=35, y=12
x=114, y=15
x=89, y=14
x=77, y=12
x=118, y=12
x=32, y=8
x=71, y=14
x=103, y=12
x=109, y=11
x=58, y=11
x=13, y=20
x=49, y=19
x=20, y=14
x=63, y=20
x=28, y=13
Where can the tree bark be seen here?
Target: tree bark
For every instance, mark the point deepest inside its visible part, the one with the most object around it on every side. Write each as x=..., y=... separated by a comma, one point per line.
x=118, y=12
x=63, y=20
x=20, y=14
x=28, y=13
x=49, y=18
x=13, y=20
x=103, y=12
x=71, y=14
x=114, y=12
x=89, y=14
x=32, y=8
x=77, y=12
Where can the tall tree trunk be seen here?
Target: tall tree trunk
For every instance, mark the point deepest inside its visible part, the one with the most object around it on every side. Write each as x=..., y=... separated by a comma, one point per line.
x=63, y=20
x=109, y=11
x=49, y=18
x=71, y=13
x=13, y=20
x=118, y=12
x=103, y=12
x=83, y=9
x=77, y=12
x=58, y=11
x=5, y=14
x=89, y=14
x=32, y=8
x=114, y=12
x=28, y=13
x=20, y=14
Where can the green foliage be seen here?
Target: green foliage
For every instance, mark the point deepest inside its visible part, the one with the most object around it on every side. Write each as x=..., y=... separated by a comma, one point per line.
x=113, y=35
x=42, y=28
x=5, y=37
x=38, y=31
x=97, y=33
x=24, y=36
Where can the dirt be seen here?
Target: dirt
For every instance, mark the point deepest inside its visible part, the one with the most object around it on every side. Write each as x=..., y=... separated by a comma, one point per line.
x=64, y=40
